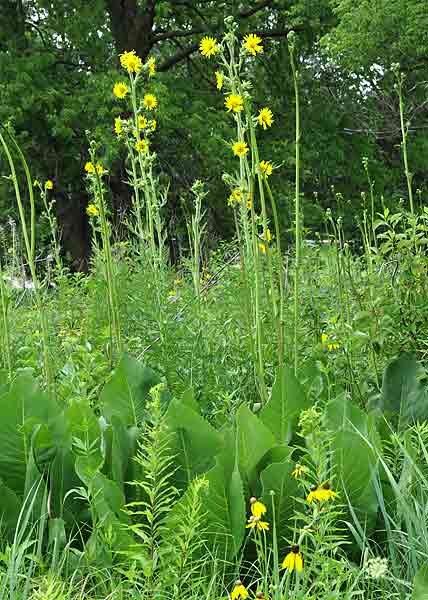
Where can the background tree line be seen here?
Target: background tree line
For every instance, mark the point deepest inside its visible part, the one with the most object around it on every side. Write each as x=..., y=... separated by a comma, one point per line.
x=58, y=60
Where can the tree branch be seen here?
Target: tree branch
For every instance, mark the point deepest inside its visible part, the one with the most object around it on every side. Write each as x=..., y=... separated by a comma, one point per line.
x=252, y=11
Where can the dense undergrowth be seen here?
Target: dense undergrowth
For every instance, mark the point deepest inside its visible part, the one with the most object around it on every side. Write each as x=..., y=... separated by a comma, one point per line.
x=246, y=424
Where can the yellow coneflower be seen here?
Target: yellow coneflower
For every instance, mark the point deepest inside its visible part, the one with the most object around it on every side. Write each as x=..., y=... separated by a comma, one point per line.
x=252, y=43
x=131, y=62
x=330, y=345
x=321, y=493
x=299, y=470
x=239, y=591
x=258, y=509
x=266, y=167
x=240, y=149
x=208, y=46
x=150, y=101
x=256, y=523
x=293, y=560
x=265, y=117
x=234, y=103
x=120, y=89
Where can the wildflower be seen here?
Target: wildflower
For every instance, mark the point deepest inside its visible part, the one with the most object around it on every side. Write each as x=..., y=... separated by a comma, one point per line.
x=293, y=560
x=219, y=79
x=252, y=44
x=376, y=568
x=208, y=46
x=142, y=146
x=89, y=168
x=142, y=122
x=298, y=471
x=120, y=90
x=258, y=509
x=92, y=210
x=331, y=346
x=240, y=149
x=235, y=103
x=131, y=62
x=266, y=235
x=235, y=197
x=257, y=523
x=49, y=184
x=36, y=183
x=153, y=125
x=249, y=202
x=265, y=117
x=118, y=126
x=178, y=281
x=150, y=101
x=151, y=64
x=266, y=168
x=100, y=169
x=262, y=248
x=321, y=493
x=239, y=591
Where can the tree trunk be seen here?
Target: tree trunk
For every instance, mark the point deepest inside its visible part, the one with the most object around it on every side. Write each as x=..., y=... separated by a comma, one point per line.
x=131, y=26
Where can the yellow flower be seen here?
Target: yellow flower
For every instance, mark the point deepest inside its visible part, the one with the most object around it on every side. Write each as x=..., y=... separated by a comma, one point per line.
x=293, y=560
x=120, y=89
x=267, y=236
x=92, y=210
x=262, y=248
x=235, y=197
x=178, y=281
x=321, y=493
x=150, y=101
x=240, y=149
x=131, y=62
x=89, y=168
x=219, y=79
x=49, y=184
x=208, y=46
x=142, y=146
x=234, y=103
x=265, y=117
x=252, y=44
x=249, y=202
x=266, y=167
x=118, y=126
x=36, y=183
x=239, y=591
x=258, y=509
x=153, y=124
x=99, y=168
x=142, y=122
x=256, y=522
x=298, y=471
x=151, y=63
x=330, y=345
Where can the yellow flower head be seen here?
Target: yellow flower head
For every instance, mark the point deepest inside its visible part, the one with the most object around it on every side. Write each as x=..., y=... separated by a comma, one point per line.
x=142, y=122
x=100, y=169
x=142, y=146
x=321, y=493
x=36, y=183
x=118, y=128
x=91, y=210
x=258, y=509
x=257, y=523
x=178, y=281
x=235, y=197
x=299, y=470
x=153, y=125
x=266, y=235
x=262, y=248
x=239, y=591
x=252, y=44
x=90, y=168
x=120, y=89
x=208, y=47
x=266, y=168
x=151, y=65
x=240, y=149
x=219, y=77
x=150, y=101
x=331, y=346
x=131, y=62
x=49, y=184
x=293, y=560
x=234, y=103
x=265, y=118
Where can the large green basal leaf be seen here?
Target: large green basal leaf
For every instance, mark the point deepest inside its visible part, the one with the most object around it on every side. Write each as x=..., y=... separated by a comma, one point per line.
x=277, y=478
x=420, y=584
x=254, y=440
x=225, y=504
x=194, y=442
x=355, y=468
x=23, y=408
x=402, y=392
x=10, y=506
x=287, y=401
x=126, y=393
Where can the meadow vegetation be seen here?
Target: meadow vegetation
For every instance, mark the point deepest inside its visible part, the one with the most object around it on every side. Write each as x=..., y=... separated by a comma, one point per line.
x=249, y=422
